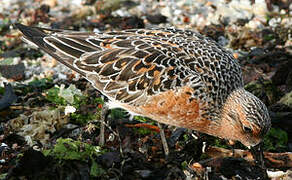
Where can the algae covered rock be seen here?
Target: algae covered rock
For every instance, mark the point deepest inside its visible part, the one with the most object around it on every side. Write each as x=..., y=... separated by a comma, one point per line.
x=265, y=90
x=287, y=99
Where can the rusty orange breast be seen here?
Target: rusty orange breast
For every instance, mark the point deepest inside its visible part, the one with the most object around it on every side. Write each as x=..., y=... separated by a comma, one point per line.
x=176, y=108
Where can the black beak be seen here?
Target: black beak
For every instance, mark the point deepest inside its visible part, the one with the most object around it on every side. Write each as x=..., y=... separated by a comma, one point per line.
x=257, y=153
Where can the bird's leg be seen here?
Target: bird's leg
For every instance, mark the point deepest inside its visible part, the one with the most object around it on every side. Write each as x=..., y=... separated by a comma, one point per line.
x=104, y=114
x=163, y=140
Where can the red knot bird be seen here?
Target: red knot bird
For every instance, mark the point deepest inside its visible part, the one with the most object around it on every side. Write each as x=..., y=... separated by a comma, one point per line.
x=176, y=77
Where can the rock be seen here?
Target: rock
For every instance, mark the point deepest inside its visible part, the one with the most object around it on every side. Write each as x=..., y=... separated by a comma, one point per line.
x=223, y=41
x=274, y=22
x=51, y=3
x=156, y=19
x=250, y=74
x=265, y=90
x=166, y=11
x=132, y=22
x=8, y=98
x=31, y=162
x=108, y=159
x=283, y=74
x=255, y=24
x=15, y=72
x=144, y=173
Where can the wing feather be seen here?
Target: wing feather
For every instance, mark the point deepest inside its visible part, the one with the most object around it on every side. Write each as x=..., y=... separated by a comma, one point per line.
x=125, y=66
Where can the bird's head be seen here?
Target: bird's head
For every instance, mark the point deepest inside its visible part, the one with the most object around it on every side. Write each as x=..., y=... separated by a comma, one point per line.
x=244, y=118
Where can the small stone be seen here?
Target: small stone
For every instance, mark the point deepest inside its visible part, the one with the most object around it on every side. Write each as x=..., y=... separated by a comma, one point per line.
x=51, y=3
x=156, y=19
x=69, y=109
x=223, y=41
x=274, y=22
x=255, y=24
x=144, y=173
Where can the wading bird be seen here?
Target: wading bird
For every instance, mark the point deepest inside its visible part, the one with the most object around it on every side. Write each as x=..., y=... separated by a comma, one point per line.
x=176, y=77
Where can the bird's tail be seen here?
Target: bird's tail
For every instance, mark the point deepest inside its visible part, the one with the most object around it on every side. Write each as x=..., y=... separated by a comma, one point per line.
x=38, y=37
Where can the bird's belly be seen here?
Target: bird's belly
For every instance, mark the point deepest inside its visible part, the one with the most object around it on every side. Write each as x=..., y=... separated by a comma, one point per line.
x=176, y=108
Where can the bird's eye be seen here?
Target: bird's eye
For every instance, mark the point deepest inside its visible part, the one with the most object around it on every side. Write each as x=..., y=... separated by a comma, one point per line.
x=247, y=129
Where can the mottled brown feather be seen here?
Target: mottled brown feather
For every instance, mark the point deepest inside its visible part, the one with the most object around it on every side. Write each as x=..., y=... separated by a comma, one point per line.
x=174, y=76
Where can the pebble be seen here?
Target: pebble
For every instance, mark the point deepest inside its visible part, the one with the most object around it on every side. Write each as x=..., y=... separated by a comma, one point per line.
x=254, y=24
x=223, y=41
x=274, y=22
x=69, y=109
x=275, y=174
x=144, y=173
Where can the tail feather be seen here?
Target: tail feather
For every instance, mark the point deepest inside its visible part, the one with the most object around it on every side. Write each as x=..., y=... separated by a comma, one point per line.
x=33, y=34
x=38, y=35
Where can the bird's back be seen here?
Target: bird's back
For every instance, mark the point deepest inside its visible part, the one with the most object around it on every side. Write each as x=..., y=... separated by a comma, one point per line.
x=143, y=70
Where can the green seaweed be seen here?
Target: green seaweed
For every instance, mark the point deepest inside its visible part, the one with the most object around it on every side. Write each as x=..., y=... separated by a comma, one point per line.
x=83, y=118
x=276, y=140
x=52, y=95
x=66, y=96
x=41, y=83
x=68, y=149
x=142, y=119
x=118, y=113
